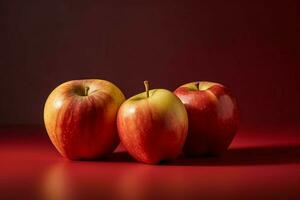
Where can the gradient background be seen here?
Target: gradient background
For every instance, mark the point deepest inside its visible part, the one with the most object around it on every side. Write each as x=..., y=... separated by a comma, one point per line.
x=253, y=47
x=250, y=46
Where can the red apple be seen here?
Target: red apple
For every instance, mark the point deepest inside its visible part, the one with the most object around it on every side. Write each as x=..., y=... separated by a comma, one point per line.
x=80, y=118
x=153, y=125
x=213, y=117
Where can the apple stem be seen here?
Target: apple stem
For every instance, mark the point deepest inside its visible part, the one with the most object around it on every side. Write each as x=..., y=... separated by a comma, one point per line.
x=197, y=85
x=146, y=83
x=86, y=90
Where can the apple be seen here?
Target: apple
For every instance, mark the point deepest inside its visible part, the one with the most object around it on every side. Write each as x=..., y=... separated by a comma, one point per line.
x=80, y=118
x=153, y=125
x=213, y=117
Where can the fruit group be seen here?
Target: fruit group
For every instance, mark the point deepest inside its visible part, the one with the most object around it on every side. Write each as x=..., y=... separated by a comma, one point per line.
x=153, y=125
x=80, y=118
x=213, y=117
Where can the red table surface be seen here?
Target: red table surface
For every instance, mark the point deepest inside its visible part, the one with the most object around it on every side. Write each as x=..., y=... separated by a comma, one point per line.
x=262, y=163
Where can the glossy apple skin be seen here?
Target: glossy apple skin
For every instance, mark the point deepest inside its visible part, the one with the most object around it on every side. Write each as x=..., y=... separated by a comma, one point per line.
x=155, y=128
x=83, y=127
x=213, y=117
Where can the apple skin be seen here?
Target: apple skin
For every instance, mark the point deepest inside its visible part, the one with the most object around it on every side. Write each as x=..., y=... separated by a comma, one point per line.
x=82, y=124
x=153, y=128
x=213, y=117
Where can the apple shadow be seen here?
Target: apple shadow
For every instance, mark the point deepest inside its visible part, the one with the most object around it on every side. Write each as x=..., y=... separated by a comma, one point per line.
x=265, y=155
x=119, y=156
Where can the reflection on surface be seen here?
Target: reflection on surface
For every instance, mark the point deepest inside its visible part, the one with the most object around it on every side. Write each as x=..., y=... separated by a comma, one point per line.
x=83, y=180
x=148, y=182
x=56, y=184
x=129, y=181
x=79, y=180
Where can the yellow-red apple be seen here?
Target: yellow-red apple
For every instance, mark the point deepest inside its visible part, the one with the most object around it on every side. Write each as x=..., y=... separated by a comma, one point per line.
x=80, y=118
x=213, y=117
x=153, y=125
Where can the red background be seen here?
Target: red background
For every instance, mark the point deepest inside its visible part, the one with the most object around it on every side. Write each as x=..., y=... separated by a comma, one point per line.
x=250, y=46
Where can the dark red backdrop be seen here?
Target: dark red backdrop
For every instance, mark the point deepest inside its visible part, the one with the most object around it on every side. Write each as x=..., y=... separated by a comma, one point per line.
x=253, y=47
